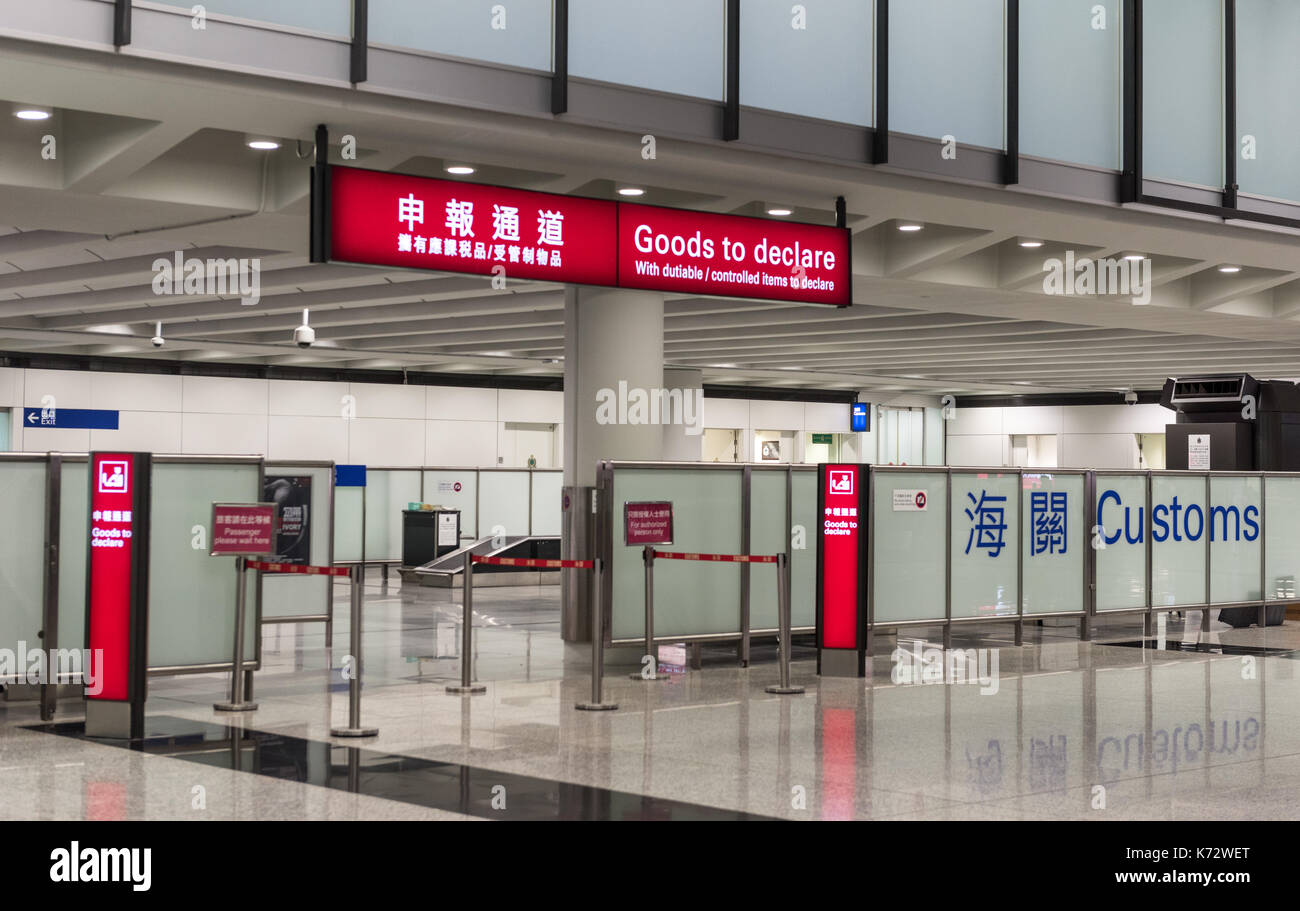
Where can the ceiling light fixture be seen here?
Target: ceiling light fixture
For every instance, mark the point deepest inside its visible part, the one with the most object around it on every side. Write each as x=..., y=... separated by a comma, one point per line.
x=909, y=227
x=262, y=143
x=631, y=191
x=1031, y=244
x=1228, y=270
x=32, y=112
x=460, y=170
x=780, y=211
x=1135, y=257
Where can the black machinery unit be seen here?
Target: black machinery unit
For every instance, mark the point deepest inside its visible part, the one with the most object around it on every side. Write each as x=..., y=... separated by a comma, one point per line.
x=1232, y=422
x=428, y=534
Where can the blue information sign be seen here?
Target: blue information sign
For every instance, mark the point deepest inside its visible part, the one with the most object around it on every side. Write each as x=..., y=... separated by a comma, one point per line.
x=860, y=418
x=70, y=418
x=349, y=476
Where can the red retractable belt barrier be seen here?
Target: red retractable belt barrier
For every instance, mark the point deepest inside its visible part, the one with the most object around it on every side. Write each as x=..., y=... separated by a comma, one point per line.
x=304, y=570
x=537, y=564
x=715, y=558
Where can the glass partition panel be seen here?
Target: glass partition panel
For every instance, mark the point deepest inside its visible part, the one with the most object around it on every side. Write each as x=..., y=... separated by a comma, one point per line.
x=947, y=70
x=985, y=543
x=1281, y=532
x=1178, y=540
x=783, y=56
x=803, y=550
x=631, y=42
x=455, y=490
x=1053, y=513
x=298, y=595
x=909, y=512
x=691, y=598
x=1235, y=548
x=546, y=502
x=22, y=543
x=1268, y=118
x=192, y=595
x=333, y=17
x=388, y=492
x=347, y=524
x=1182, y=91
x=935, y=430
x=503, y=503
x=767, y=535
x=1070, y=49
x=1119, y=528
x=74, y=532
x=517, y=33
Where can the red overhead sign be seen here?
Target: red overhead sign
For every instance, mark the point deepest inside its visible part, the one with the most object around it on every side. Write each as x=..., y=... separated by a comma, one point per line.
x=398, y=220
x=243, y=529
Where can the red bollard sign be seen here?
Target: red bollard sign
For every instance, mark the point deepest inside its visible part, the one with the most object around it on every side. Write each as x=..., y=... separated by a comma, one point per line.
x=647, y=523
x=243, y=529
x=842, y=517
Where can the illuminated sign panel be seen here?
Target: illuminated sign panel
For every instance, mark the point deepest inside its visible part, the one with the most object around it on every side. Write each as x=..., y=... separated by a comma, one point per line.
x=842, y=517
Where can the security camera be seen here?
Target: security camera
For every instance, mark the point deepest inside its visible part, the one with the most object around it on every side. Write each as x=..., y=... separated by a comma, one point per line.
x=304, y=336
x=157, y=341
x=1130, y=398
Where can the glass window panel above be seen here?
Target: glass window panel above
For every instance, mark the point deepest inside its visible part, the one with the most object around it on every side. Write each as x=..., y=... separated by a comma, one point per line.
x=817, y=62
x=517, y=33
x=1182, y=91
x=947, y=70
x=1070, y=68
x=332, y=17
x=675, y=46
x=1268, y=97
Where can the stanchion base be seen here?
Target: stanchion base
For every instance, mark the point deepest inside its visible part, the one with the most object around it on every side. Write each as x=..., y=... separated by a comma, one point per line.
x=235, y=706
x=472, y=690
x=784, y=690
x=353, y=732
x=596, y=706
x=639, y=676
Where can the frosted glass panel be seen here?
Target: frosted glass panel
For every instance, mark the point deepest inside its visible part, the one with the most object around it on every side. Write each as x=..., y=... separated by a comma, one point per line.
x=1235, y=547
x=908, y=547
x=946, y=70
x=1052, y=551
x=517, y=33
x=803, y=551
x=4, y=429
x=935, y=427
x=767, y=535
x=1281, y=532
x=22, y=545
x=1182, y=91
x=296, y=595
x=503, y=503
x=347, y=524
x=690, y=598
x=455, y=490
x=1122, y=563
x=74, y=532
x=1064, y=55
x=783, y=67
x=546, y=502
x=669, y=45
x=333, y=17
x=1268, y=73
x=388, y=492
x=985, y=544
x=192, y=595
x=1178, y=540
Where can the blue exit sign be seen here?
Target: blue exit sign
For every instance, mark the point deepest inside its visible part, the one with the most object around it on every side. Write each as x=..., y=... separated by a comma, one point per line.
x=70, y=418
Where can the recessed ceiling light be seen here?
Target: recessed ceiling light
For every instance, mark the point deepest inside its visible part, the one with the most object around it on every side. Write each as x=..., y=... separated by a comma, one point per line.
x=460, y=170
x=780, y=211
x=263, y=145
x=1230, y=269
x=1031, y=244
x=631, y=191
x=27, y=112
x=910, y=227
x=1135, y=257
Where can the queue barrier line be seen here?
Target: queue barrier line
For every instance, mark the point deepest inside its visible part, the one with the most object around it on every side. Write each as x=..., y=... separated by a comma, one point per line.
x=715, y=558
x=298, y=568
x=535, y=563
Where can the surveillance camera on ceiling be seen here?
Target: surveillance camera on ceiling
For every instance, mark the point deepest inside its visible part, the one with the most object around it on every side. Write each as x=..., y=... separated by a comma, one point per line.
x=158, y=341
x=1130, y=398
x=304, y=336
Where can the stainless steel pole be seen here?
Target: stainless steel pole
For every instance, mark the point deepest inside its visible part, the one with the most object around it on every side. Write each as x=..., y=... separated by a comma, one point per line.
x=651, y=673
x=354, y=728
x=597, y=644
x=783, y=631
x=237, y=703
x=467, y=688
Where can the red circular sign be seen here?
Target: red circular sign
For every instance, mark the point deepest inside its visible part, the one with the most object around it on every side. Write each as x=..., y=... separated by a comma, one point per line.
x=920, y=499
x=456, y=487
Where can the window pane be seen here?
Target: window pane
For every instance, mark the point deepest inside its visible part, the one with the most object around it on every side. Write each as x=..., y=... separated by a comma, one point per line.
x=1268, y=74
x=946, y=70
x=1070, y=80
x=1182, y=91
x=783, y=58
x=669, y=45
x=333, y=17
x=516, y=33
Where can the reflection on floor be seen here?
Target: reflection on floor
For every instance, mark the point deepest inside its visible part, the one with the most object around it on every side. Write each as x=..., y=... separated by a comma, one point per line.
x=1057, y=729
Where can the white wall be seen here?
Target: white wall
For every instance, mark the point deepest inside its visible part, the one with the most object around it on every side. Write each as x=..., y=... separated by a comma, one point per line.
x=790, y=420
x=1088, y=436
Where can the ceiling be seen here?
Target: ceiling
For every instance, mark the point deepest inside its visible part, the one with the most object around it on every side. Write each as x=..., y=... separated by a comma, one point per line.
x=151, y=159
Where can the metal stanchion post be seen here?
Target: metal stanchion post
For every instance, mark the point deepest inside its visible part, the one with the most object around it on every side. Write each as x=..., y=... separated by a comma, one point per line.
x=597, y=644
x=354, y=728
x=648, y=556
x=467, y=688
x=783, y=623
x=237, y=702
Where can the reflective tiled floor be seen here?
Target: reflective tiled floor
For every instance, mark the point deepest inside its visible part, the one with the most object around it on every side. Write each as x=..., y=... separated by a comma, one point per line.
x=1071, y=730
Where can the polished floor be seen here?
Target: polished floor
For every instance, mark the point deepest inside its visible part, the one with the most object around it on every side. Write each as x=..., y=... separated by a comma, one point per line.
x=1174, y=728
